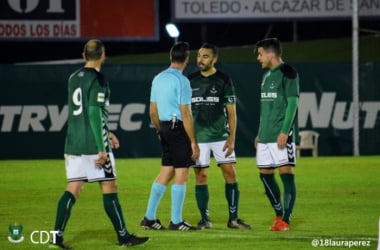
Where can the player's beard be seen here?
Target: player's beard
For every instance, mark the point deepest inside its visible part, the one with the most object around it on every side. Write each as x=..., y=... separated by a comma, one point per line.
x=264, y=65
x=204, y=67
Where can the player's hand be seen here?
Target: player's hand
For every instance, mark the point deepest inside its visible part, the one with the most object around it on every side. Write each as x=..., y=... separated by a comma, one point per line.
x=114, y=141
x=228, y=147
x=256, y=141
x=195, y=149
x=102, y=159
x=282, y=138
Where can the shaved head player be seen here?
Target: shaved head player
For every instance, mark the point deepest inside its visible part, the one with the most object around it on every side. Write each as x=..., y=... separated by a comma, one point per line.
x=88, y=147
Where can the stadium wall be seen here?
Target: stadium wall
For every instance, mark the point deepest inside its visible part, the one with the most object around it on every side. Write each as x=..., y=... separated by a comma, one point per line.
x=33, y=109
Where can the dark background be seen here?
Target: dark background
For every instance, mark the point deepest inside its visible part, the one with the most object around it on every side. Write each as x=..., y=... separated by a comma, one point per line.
x=221, y=34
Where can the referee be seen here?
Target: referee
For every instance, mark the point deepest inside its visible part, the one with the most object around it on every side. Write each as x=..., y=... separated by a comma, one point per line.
x=170, y=113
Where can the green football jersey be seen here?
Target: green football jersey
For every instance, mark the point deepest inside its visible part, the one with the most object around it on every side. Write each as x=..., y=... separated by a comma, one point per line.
x=277, y=85
x=210, y=95
x=86, y=87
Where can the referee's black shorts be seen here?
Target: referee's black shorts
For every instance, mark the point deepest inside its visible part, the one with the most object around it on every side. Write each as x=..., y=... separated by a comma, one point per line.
x=176, y=146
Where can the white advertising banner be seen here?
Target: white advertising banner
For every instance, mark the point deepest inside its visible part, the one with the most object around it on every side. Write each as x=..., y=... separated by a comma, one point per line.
x=200, y=10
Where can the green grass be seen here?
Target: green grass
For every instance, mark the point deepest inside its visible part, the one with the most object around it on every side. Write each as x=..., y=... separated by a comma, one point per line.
x=338, y=199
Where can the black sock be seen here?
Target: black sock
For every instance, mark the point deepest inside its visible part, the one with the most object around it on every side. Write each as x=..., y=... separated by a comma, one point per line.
x=113, y=210
x=273, y=192
x=202, y=198
x=232, y=196
x=65, y=204
x=289, y=195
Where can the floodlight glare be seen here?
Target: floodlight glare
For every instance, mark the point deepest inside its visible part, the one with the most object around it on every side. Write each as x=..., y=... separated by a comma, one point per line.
x=172, y=30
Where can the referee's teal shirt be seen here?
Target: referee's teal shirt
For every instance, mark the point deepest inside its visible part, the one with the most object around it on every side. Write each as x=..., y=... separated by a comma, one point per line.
x=170, y=89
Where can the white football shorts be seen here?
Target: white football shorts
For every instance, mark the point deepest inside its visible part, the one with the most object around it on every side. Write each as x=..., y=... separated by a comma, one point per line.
x=83, y=168
x=217, y=150
x=268, y=155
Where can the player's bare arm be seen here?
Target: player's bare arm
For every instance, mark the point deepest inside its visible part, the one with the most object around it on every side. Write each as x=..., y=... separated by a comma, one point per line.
x=229, y=146
x=153, y=113
x=114, y=140
x=189, y=128
x=255, y=141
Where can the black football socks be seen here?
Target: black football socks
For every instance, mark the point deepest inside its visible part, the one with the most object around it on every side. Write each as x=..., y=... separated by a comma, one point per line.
x=273, y=192
x=113, y=210
x=65, y=204
x=289, y=195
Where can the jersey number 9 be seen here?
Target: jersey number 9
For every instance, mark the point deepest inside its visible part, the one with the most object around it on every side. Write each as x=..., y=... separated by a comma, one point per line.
x=77, y=100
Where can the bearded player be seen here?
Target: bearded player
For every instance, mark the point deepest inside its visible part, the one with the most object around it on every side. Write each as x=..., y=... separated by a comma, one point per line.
x=214, y=111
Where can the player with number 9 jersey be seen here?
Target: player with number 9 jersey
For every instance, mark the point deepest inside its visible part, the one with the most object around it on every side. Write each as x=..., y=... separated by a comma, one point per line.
x=88, y=156
x=88, y=89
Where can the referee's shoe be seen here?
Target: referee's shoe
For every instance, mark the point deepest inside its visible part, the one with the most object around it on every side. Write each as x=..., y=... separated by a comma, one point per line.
x=151, y=224
x=182, y=226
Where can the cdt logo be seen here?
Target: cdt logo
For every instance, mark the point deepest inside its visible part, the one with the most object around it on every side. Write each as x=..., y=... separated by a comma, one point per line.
x=43, y=237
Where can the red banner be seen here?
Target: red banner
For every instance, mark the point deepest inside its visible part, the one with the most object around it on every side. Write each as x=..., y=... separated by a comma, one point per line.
x=79, y=19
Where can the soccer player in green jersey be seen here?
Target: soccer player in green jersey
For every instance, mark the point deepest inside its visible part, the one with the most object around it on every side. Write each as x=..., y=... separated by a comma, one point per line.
x=214, y=110
x=88, y=152
x=278, y=130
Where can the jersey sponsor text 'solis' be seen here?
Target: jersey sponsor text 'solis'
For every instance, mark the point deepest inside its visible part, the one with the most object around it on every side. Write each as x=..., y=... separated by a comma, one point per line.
x=209, y=96
x=277, y=85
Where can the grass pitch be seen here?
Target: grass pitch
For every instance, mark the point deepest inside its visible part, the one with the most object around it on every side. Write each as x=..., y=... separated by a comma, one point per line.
x=337, y=203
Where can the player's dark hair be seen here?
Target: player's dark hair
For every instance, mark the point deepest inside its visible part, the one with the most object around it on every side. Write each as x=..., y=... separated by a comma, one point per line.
x=93, y=50
x=179, y=52
x=214, y=48
x=272, y=44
